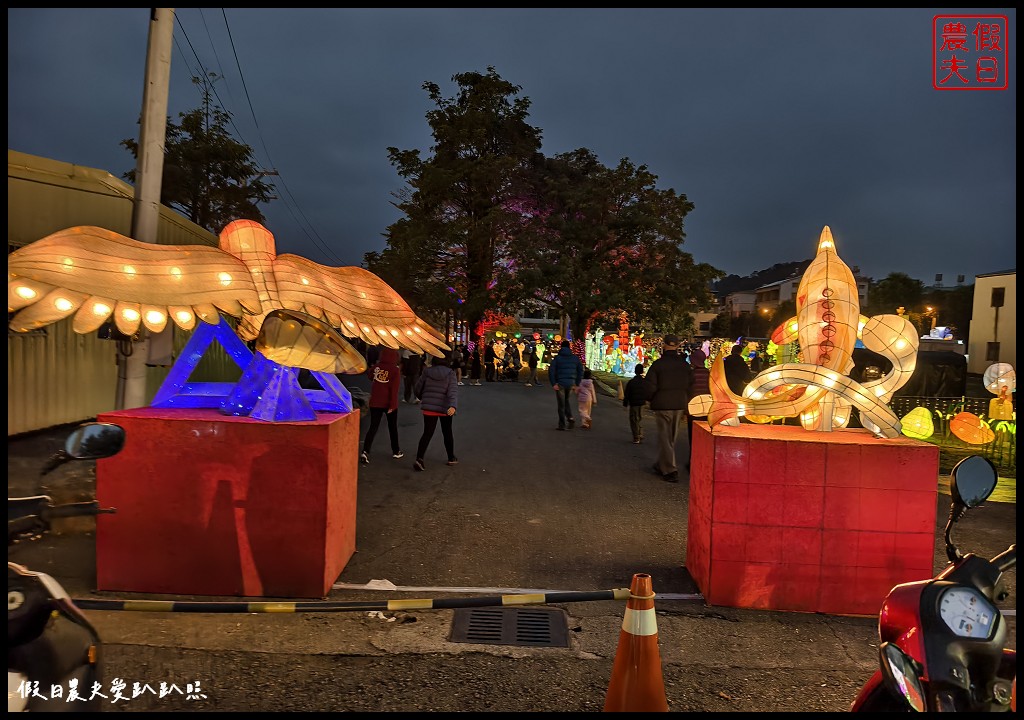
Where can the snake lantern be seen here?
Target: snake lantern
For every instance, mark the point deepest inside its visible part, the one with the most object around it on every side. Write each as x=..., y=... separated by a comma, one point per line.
x=818, y=390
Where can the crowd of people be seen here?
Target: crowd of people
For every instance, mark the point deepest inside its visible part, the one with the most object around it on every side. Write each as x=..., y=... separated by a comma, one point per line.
x=662, y=391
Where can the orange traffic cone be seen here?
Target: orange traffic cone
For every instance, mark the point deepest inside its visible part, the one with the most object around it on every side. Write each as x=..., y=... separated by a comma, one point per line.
x=637, y=684
x=622, y=394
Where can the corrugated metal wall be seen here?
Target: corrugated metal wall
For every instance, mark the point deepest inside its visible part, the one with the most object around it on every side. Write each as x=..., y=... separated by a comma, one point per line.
x=56, y=376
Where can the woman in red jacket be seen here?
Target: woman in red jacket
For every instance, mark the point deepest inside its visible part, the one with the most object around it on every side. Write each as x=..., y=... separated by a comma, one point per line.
x=385, y=379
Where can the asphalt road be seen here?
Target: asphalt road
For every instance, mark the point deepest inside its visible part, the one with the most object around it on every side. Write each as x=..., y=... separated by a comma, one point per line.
x=527, y=507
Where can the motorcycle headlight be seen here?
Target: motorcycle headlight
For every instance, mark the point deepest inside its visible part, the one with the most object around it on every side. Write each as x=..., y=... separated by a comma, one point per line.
x=902, y=675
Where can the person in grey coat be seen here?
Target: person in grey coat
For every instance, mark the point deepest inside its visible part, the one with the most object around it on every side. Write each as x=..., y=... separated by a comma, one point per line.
x=438, y=394
x=669, y=382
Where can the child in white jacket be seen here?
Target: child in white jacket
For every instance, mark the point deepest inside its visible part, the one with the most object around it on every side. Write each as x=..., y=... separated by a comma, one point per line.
x=586, y=397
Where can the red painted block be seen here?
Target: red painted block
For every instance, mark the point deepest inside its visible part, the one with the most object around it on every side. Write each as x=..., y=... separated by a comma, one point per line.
x=915, y=511
x=765, y=503
x=731, y=458
x=875, y=549
x=878, y=508
x=791, y=595
x=802, y=545
x=803, y=505
x=805, y=464
x=730, y=542
x=843, y=508
x=210, y=504
x=730, y=501
x=815, y=522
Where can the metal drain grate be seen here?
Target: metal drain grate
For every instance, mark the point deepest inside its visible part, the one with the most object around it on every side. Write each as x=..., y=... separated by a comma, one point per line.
x=523, y=627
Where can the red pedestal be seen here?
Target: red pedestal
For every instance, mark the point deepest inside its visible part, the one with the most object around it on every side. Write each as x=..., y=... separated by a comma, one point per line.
x=785, y=519
x=209, y=504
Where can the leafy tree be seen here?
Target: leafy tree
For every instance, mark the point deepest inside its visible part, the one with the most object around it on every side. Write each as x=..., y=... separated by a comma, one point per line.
x=897, y=290
x=208, y=176
x=460, y=204
x=606, y=240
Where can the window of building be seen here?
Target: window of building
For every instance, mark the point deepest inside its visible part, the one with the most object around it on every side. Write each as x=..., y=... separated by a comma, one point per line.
x=998, y=294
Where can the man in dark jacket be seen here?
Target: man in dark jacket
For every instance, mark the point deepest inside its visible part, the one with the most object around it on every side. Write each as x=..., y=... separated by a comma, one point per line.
x=669, y=381
x=566, y=374
x=737, y=373
x=490, y=362
x=635, y=397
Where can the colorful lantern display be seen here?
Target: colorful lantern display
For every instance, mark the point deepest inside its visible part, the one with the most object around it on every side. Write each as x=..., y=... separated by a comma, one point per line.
x=818, y=389
x=971, y=429
x=288, y=305
x=918, y=424
x=999, y=376
x=94, y=273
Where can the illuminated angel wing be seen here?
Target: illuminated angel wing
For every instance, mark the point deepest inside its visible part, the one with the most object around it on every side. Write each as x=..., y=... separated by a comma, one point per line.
x=355, y=301
x=96, y=273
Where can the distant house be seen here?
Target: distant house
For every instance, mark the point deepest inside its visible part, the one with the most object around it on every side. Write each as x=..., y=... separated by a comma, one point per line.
x=993, y=336
x=770, y=296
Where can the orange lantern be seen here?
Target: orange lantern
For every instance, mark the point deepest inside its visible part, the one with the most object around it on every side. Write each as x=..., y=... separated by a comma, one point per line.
x=971, y=429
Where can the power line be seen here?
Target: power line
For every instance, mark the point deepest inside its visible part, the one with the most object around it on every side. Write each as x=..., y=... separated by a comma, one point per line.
x=314, y=237
x=290, y=203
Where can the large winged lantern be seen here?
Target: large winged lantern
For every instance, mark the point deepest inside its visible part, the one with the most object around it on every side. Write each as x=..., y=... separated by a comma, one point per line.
x=295, y=310
x=827, y=325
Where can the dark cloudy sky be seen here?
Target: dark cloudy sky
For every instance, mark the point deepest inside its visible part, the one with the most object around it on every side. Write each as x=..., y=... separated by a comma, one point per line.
x=774, y=123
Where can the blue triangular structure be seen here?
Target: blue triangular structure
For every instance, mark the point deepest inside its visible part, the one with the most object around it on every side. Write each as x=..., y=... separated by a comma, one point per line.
x=266, y=391
x=177, y=392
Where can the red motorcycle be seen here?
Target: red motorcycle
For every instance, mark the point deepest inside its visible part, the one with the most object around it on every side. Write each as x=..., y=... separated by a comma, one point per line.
x=943, y=641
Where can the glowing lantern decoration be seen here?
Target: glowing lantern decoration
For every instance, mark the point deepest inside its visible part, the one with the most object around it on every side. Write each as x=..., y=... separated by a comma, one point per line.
x=298, y=340
x=558, y=338
x=97, y=274
x=817, y=388
x=999, y=376
x=918, y=424
x=971, y=429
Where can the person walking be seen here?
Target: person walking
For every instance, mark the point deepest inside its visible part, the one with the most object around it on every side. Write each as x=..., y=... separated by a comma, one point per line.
x=701, y=385
x=756, y=363
x=475, y=367
x=438, y=393
x=457, y=364
x=412, y=367
x=586, y=399
x=634, y=397
x=513, y=362
x=531, y=362
x=385, y=378
x=669, y=380
x=737, y=374
x=565, y=373
x=490, y=361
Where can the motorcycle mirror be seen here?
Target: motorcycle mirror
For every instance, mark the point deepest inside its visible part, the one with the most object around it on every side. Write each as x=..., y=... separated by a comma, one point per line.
x=901, y=675
x=94, y=440
x=972, y=480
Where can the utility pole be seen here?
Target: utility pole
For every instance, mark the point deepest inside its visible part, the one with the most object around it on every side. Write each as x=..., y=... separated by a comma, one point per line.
x=131, y=367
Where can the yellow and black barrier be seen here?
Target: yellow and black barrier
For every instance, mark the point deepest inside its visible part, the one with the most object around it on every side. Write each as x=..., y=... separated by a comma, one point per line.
x=357, y=605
